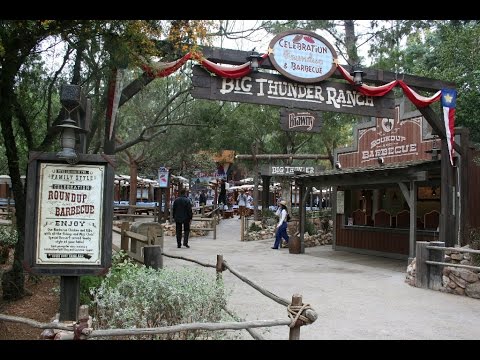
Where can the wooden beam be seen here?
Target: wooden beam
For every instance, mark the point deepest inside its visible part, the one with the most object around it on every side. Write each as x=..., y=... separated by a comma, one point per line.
x=405, y=192
x=282, y=156
x=375, y=178
x=238, y=57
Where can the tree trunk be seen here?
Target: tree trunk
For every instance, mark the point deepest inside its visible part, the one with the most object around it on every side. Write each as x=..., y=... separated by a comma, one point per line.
x=351, y=42
x=13, y=280
x=133, y=184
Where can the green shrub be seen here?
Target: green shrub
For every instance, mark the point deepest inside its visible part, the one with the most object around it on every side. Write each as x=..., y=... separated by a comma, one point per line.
x=144, y=297
x=310, y=228
x=88, y=284
x=254, y=227
x=267, y=213
x=8, y=236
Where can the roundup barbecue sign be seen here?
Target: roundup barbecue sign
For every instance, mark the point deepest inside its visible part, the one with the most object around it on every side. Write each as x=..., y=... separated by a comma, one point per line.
x=302, y=56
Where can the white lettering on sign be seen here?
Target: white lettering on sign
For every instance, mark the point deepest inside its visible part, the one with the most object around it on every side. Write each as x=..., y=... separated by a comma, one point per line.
x=284, y=90
x=398, y=150
x=290, y=170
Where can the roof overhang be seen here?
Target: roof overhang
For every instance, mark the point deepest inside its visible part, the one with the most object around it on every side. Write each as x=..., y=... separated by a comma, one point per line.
x=375, y=175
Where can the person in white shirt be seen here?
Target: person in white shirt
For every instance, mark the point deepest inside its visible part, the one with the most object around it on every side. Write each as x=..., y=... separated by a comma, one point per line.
x=242, y=203
x=282, y=225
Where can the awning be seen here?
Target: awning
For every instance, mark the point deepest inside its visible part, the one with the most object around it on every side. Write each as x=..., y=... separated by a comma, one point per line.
x=375, y=175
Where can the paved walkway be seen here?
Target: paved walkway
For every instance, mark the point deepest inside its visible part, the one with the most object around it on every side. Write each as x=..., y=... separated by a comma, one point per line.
x=356, y=296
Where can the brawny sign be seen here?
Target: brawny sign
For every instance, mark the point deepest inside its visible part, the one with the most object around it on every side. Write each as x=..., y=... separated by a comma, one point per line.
x=298, y=120
x=270, y=89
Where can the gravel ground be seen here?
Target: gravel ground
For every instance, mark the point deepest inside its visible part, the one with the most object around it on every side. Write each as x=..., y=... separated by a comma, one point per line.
x=356, y=297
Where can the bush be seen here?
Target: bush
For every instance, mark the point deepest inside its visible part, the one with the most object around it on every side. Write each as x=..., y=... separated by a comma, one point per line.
x=8, y=237
x=254, y=227
x=89, y=284
x=140, y=297
x=310, y=228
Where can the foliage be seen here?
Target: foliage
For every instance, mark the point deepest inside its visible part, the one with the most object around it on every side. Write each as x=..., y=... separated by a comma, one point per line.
x=89, y=284
x=310, y=228
x=267, y=213
x=145, y=297
x=254, y=227
x=8, y=237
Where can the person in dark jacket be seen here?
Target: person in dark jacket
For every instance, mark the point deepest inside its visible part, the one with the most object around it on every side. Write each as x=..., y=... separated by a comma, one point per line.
x=222, y=198
x=202, y=200
x=182, y=213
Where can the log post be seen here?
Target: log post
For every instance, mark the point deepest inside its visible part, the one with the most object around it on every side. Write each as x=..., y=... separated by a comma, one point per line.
x=295, y=331
x=82, y=323
x=152, y=256
x=214, y=223
x=421, y=278
x=219, y=267
x=436, y=271
x=123, y=236
x=242, y=228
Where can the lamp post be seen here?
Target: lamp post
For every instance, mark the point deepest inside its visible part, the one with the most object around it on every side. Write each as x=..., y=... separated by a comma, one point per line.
x=254, y=58
x=357, y=74
x=68, y=140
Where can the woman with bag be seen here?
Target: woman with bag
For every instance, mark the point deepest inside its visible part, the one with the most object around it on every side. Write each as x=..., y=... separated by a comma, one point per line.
x=282, y=225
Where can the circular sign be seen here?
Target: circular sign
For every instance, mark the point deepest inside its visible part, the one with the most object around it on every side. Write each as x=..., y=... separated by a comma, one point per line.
x=302, y=56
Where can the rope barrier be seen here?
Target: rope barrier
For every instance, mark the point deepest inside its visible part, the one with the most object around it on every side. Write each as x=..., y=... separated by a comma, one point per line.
x=295, y=313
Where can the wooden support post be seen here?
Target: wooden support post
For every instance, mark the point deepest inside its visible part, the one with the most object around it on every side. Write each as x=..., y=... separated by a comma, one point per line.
x=152, y=256
x=413, y=220
x=436, y=272
x=219, y=267
x=69, y=297
x=82, y=323
x=421, y=278
x=123, y=236
x=295, y=331
x=242, y=228
x=214, y=223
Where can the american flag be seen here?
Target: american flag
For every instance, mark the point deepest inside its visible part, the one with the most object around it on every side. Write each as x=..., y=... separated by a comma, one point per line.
x=449, y=101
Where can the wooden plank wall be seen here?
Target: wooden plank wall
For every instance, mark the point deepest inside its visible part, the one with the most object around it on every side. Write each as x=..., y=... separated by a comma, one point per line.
x=472, y=195
x=389, y=241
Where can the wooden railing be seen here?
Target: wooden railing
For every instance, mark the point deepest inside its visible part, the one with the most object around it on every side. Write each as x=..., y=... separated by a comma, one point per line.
x=299, y=314
x=430, y=260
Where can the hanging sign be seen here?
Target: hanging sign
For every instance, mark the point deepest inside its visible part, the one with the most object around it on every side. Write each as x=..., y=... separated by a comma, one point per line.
x=300, y=120
x=163, y=177
x=302, y=56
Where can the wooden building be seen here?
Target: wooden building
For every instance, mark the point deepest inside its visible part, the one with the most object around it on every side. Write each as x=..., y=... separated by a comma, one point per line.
x=387, y=186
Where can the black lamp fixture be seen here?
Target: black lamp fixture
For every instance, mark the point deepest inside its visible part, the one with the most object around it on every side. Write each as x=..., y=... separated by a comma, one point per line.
x=357, y=74
x=434, y=192
x=254, y=59
x=68, y=140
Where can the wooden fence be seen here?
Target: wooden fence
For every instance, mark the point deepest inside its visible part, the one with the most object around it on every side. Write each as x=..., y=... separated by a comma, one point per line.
x=430, y=260
x=299, y=314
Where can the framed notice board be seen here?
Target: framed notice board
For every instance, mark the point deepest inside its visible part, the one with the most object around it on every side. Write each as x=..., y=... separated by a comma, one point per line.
x=70, y=208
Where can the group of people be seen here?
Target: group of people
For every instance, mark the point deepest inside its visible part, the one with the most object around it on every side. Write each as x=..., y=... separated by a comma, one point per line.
x=183, y=214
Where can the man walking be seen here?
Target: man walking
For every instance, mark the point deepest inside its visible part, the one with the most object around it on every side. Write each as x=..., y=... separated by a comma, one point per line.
x=182, y=213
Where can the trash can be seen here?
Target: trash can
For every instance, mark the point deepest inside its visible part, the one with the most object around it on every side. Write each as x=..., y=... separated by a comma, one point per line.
x=294, y=245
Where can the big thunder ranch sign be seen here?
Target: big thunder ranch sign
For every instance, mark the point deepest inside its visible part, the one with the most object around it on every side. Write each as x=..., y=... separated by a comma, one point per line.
x=304, y=60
